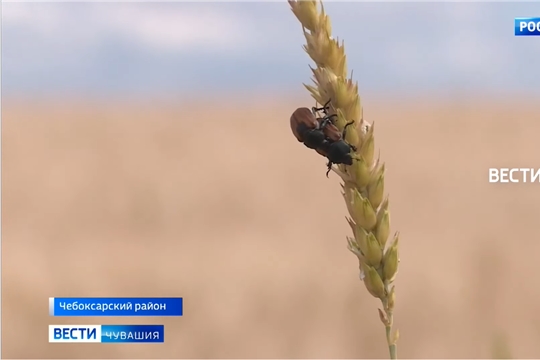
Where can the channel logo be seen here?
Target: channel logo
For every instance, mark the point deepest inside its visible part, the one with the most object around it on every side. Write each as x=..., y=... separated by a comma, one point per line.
x=75, y=333
x=527, y=26
x=106, y=333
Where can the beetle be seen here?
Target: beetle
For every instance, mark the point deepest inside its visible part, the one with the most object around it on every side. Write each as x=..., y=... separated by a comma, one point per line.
x=337, y=151
x=321, y=135
x=310, y=130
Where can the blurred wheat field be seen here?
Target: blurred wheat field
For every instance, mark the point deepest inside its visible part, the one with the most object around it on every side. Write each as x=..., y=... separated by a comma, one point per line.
x=218, y=203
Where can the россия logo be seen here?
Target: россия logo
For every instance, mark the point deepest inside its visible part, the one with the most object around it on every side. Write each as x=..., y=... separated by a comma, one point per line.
x=527, y=26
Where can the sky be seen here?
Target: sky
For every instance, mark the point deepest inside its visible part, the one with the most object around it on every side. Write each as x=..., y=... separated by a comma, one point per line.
x=188, y=47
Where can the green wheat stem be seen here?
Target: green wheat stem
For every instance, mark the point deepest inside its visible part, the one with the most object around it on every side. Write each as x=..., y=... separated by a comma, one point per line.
x=392, y=348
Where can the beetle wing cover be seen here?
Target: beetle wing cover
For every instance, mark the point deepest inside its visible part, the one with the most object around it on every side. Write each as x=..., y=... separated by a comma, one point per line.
x=301, y=119
x=332, y=132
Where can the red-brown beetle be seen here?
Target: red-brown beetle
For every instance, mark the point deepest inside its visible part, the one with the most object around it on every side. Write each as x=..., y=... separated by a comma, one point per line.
x=322, y=135
x=311, y=130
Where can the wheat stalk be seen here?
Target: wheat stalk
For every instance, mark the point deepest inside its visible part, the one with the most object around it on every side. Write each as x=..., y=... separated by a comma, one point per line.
x=363, y=182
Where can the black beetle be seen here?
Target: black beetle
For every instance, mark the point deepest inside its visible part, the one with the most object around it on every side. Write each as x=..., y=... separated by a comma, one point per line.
x=337, y=151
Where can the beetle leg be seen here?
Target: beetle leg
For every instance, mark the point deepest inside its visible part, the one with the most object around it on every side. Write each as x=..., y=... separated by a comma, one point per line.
x=330, y=117
x=345, y=133
x=315, y=110
x=345, y=128
x=324, y=123
x=326, y=120
x=329, y=168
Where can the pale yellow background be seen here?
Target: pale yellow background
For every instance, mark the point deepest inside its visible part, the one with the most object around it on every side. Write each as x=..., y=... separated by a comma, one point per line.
x=226, y=208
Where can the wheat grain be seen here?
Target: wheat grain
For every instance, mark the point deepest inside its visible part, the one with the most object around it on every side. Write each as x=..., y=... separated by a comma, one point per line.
x=363, y=181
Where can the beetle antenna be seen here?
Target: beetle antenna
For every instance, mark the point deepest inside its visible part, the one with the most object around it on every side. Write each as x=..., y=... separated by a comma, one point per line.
x=326, y=107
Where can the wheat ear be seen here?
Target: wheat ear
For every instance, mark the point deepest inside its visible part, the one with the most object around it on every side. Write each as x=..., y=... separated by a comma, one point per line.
x=363, y=181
